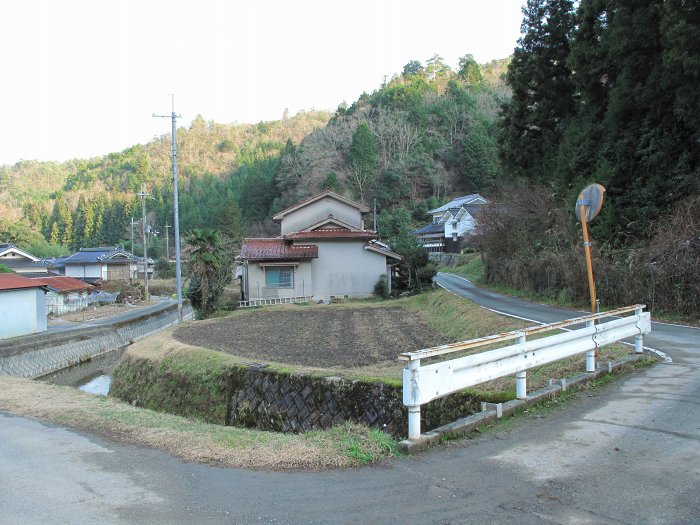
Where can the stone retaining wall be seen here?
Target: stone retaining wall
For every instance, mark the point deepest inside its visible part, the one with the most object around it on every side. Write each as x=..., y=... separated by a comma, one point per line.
x=36, y=356
x=257, y=397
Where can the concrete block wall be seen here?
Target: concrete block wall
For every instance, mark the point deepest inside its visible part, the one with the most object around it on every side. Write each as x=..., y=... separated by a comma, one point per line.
x=39, y=356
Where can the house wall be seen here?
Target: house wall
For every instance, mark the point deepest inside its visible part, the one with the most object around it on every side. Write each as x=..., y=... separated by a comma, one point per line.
x=22, y=312
x=302, y=282
x=345, y=268
x=318, y=211
x=84, y=270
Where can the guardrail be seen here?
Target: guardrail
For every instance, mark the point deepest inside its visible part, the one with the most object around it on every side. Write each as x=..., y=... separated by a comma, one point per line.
x=425, y=383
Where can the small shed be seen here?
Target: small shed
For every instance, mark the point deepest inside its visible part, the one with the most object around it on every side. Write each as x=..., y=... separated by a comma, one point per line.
x=22, y=306
x=66, y=294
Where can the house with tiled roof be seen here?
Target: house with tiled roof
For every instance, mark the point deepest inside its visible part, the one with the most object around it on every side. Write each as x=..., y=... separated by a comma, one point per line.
x=106, y=263
x=450, y=224
x=22, y=306
x=323, y=252
x=22, y=262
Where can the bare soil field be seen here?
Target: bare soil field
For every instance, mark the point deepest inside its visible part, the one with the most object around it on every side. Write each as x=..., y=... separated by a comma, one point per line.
x=316, y=336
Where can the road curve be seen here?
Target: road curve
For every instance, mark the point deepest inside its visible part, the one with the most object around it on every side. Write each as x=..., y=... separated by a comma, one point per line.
x=679, y=342
x=629, y=453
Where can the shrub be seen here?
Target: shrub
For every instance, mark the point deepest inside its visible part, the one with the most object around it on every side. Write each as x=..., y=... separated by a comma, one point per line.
x=381, y=287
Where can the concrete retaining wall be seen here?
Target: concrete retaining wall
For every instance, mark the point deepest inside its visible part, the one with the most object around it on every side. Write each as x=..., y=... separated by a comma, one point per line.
x=36, y=356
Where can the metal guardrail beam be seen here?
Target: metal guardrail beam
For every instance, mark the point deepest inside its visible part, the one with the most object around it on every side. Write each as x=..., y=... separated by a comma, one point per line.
x=423, y=384
x=509, y=336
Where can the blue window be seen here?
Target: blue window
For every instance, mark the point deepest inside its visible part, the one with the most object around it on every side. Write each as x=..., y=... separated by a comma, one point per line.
x=279, y=277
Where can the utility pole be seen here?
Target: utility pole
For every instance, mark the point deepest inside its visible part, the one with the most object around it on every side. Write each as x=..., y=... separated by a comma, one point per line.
x=375, y=214
x=178, y=272
x=167, y=245
x=132, y=235
x=143, y=196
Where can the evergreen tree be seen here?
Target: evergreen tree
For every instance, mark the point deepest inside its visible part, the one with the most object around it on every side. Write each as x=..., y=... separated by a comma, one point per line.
x=230, y=221
x=84, y=224
x=55, y=238
x=363, y=160
x=533, y=121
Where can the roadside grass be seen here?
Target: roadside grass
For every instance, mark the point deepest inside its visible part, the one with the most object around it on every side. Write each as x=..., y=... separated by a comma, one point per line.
x=346, y=445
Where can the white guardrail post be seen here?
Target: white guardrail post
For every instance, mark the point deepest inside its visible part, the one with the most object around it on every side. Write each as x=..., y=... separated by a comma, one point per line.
x=639, y=338
x=521, y=377
x=590, y=355
x=413, y=410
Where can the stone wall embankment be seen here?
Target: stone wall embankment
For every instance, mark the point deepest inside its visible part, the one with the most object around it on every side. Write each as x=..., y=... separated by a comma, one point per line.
x=257, y=397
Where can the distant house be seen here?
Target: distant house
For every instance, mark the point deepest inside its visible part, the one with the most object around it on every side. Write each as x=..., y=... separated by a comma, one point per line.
x=323, y=252
x=65, y=294
x=450, y=224
x=101, y=264
x=23, y=263
x=22, y=306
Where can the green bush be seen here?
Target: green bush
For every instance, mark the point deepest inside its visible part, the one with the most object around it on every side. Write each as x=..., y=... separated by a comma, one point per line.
x=381, y=287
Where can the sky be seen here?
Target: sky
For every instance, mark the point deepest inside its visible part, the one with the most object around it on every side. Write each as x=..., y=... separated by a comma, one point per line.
x=82, y=78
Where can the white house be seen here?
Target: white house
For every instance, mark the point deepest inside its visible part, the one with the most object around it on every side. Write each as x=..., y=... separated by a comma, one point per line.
x=101, y=264
x=450, y=223
x=22, y=306
x=323, y=252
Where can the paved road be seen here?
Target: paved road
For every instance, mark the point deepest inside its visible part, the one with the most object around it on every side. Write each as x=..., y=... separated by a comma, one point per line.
x=161, y=304
x=629, y=453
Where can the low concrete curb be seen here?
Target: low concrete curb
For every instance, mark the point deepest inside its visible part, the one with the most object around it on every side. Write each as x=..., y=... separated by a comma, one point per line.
x=492, y=411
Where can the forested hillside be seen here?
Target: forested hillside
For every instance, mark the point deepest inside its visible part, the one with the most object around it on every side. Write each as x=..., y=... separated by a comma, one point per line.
x=607, y=93
x=91, y=202
x=427, y=133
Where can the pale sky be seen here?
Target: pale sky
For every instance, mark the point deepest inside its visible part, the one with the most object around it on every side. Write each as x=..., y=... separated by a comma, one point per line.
x=81, y=78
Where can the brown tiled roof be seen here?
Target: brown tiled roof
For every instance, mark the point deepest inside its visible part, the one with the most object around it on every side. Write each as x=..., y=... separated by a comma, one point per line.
x=333, y=234
x=11, y=281
x=272, y=249
x=63, y=283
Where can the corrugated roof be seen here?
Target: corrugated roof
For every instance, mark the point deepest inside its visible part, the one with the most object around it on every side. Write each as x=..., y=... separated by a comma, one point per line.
x=64, y=283
x=332, y=233
x=457, y=203
x=273, y=249
x=12, y=281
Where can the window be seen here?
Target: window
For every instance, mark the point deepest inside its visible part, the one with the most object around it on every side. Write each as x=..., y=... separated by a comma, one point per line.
x=279, y=277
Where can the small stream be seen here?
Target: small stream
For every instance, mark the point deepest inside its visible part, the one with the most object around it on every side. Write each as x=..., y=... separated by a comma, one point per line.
x=93, y=377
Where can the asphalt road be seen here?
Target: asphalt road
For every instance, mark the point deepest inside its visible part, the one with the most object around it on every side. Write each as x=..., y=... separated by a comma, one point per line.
x=627, y=453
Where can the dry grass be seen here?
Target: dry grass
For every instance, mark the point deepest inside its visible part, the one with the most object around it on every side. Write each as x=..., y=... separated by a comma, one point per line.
x=345, y=446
